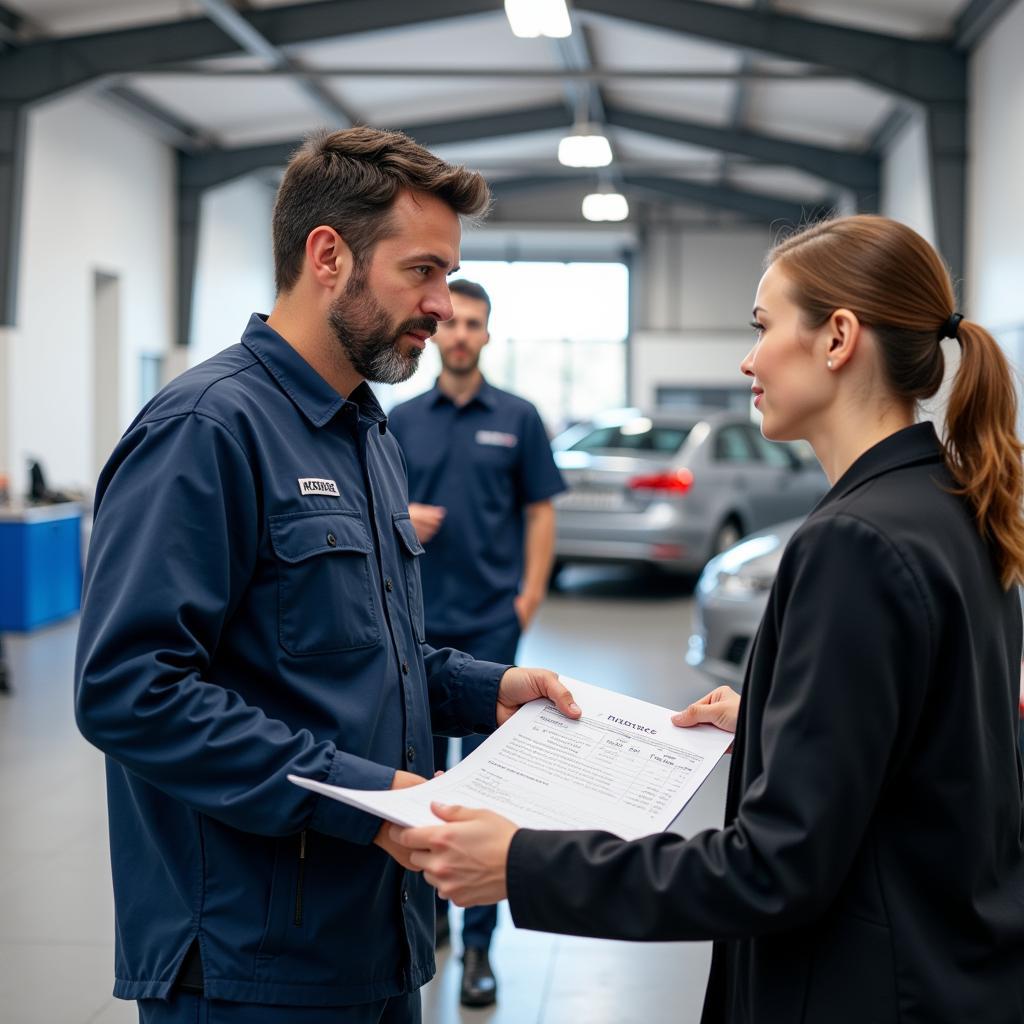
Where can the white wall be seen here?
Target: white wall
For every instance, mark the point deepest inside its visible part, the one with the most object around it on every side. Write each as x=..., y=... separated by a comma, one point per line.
x=695, y=290
x=906, y=180
x=99, y=196
x=995, y=237
x=235, y=265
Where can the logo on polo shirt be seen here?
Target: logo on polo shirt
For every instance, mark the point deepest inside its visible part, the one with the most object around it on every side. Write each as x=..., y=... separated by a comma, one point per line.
x=310, y=485
x=496, y=438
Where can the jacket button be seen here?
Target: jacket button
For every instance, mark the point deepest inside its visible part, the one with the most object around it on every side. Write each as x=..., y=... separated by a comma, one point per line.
x=410, y=753
x=332, y=541
x=405, y=668
x=388, y=585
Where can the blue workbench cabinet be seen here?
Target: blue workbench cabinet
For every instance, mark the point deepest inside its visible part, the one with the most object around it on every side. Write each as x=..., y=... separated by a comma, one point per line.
x=40, y=564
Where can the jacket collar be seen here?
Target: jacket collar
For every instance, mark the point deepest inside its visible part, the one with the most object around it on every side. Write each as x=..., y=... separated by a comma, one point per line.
x=485, y=395
x=910, y=446
x=312, y=395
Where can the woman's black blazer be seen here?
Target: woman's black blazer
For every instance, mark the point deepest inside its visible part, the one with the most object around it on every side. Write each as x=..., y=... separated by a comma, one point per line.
x=871, y=868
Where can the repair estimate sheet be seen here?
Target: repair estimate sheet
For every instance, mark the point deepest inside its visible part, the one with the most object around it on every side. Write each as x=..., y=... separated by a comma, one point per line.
x=623, y=768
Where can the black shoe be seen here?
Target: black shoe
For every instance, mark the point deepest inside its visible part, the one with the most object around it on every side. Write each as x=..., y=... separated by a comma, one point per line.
x=442, y=930
x=478, y=985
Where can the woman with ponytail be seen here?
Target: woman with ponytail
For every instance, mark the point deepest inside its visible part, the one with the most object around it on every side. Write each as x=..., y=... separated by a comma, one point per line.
x=871, y=866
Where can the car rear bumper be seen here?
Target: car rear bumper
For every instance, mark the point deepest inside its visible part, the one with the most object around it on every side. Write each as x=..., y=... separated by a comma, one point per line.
x=656, y=536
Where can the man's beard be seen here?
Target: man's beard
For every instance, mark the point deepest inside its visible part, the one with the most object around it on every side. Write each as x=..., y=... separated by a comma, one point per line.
x=369, y=339
x=461, y=370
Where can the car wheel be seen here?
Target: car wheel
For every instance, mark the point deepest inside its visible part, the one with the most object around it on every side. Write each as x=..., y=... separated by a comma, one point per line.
x=727, y=535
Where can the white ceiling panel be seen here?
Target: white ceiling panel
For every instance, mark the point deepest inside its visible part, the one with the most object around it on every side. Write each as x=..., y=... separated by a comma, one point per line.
x=82, y=17
x=482, y=40
x=912, y=18
x=785, y=182
x=401, y=101
x=708, y=102
x=618, y=43
x=232, y=108
x=507, y=151
x=831, y=112
x=639, y=146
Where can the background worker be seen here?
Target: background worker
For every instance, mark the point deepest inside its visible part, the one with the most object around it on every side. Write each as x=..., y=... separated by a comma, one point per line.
x=481, y=479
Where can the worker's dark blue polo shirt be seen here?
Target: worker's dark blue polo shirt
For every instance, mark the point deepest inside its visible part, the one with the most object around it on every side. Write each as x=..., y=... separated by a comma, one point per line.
x=484, y=462
x=253, y=609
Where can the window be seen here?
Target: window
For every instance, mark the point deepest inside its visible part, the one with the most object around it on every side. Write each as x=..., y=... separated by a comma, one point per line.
x=733, y=445
x=558, y=337
x=775, y=453
x=666, y=440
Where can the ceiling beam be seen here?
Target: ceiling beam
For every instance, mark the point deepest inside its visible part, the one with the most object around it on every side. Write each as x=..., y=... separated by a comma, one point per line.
x=51, y=66
x=206, y=170
x=848, y=168
x=512, y=74
x=976, y=19
x=924, y=70
x=239, y=28
x=755, y=205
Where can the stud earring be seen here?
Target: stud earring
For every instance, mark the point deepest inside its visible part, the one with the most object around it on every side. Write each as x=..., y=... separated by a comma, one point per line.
x=828, y=363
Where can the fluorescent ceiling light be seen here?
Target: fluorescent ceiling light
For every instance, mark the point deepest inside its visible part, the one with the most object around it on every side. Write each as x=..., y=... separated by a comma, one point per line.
x=532, y=18
x=584, y=149
x=606, y=206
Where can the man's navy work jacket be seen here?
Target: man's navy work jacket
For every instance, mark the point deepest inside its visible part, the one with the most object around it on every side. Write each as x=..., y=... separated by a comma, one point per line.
x=484, y=461
x=253, y=609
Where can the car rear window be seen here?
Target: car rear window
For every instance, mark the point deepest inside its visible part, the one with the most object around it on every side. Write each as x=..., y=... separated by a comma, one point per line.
x=636, y=437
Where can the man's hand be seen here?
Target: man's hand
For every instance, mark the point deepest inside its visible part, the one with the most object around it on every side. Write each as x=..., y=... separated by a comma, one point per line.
x=521, y=685
x=426, y=519
x=720, y=708
x=466, y=859
x=402, y=780
x=526, y=607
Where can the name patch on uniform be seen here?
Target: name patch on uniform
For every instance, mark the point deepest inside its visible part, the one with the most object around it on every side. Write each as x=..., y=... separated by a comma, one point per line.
x=496, y=438
x=310, y=485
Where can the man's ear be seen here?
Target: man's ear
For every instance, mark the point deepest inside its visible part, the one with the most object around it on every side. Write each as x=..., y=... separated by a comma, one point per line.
x=328, y=257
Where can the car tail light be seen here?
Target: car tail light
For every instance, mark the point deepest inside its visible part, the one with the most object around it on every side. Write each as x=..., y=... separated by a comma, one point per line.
x=677, y=482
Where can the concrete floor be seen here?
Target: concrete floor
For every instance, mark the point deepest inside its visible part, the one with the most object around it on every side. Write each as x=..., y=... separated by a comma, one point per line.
x=56, y=927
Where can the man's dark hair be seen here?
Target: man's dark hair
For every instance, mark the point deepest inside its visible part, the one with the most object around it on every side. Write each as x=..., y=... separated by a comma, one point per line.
x=471, y=290
x=349, y=180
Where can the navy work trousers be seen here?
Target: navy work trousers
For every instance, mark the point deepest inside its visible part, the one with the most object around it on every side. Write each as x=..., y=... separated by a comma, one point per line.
x=187, y=1008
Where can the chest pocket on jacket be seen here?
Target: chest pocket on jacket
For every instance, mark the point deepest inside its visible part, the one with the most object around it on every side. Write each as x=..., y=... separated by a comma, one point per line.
x=324, y=596
x=411, y=550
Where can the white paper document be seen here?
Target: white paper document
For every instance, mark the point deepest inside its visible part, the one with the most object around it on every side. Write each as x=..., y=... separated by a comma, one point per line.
x=623, y=768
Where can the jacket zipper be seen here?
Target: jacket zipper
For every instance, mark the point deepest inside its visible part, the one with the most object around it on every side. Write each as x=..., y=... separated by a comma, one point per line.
x=301, y=878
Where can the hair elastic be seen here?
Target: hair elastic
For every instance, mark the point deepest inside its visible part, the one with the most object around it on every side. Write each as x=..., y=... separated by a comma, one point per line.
x=951, y=326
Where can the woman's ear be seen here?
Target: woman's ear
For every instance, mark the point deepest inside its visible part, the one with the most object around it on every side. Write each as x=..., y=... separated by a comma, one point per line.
x=843, y=329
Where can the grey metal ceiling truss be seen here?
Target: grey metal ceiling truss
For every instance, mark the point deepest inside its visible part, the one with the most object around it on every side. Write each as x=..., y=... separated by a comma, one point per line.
x=50, y=66
x=847, y=168
x=923, y=70
x=976, y=19
x=931, y=72
x=239, y=28
x=752, y=205
x=492, y=72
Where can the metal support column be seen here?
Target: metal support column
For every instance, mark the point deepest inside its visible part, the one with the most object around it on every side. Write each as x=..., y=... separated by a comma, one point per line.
x=12, y=171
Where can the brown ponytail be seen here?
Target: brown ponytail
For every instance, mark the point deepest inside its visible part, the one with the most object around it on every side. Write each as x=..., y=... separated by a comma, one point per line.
x=898, y=286
x=982, y=447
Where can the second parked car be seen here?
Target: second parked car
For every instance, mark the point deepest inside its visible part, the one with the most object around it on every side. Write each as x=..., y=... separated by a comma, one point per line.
x=674, y=488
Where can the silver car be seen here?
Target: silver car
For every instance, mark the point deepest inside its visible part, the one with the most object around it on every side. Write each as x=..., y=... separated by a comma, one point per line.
x=730, y=598
x=673, y=488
